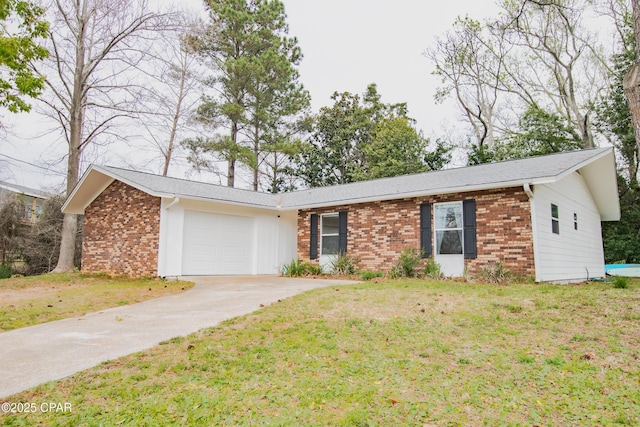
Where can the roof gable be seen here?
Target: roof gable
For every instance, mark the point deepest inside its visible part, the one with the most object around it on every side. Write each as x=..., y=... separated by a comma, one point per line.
x=597, y=165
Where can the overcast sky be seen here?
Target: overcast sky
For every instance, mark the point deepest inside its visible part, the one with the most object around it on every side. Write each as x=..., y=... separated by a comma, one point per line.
x=346, y=44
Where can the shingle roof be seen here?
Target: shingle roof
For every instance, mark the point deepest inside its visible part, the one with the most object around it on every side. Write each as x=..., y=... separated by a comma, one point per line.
x=15, y=188
x=163, y=186
x=532, y=170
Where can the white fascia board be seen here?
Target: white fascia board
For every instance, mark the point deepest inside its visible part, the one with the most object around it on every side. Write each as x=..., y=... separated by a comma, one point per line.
x=69, y=207
x=582, y=164
x=223, y=201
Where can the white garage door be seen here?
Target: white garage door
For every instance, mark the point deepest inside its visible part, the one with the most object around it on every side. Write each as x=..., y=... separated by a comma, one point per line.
x=217, y=244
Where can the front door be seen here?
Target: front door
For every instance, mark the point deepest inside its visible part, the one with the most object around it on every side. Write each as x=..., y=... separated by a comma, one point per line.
x=449, y=238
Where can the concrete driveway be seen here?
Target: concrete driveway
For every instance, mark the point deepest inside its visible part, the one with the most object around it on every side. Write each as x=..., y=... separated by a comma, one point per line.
x=54, y=350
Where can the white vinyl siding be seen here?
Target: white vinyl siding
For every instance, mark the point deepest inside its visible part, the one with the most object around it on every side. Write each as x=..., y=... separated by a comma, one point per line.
x=571, y=255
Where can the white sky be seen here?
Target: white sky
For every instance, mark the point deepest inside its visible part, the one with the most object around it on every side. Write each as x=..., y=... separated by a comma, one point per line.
x=346, y=44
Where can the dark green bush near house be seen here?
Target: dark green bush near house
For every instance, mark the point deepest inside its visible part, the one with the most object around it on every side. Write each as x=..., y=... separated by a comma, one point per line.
x=297, y=268
x=408, y=261
x=620, y=283
x=294, y=269
x=344, y=265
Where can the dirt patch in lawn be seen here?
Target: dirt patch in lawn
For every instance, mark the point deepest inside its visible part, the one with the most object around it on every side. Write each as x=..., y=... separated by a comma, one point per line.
x=29, y=301
x=11, y=296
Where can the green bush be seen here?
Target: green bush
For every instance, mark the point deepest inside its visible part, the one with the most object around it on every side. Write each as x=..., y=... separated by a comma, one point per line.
x=620, y=283
x=432, y=269
x=313, y=269
x=297, y=268
x=408, y=260
x=368, y=275
x=344, y=265
x=6, y=271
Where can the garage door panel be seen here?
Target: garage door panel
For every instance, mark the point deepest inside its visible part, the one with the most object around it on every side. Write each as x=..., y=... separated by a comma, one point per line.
x=217, y=244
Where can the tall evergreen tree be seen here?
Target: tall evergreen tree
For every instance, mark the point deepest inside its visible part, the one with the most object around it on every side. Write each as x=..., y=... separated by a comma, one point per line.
x=255, y=80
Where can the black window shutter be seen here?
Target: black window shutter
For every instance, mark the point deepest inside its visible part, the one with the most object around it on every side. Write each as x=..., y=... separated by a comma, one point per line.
x=469, y=219
x=342, y=232
x=313, y=244
x=425, y=230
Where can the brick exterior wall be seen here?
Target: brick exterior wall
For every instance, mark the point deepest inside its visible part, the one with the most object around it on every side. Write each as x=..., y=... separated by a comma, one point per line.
x=379, y=231
x=121, y=231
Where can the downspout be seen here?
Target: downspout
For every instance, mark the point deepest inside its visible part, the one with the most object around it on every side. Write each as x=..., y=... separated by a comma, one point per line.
x=175, y=200
x=534, y=229
x=279, y=262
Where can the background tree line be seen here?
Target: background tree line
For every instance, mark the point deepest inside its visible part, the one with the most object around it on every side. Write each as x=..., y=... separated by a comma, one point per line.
x=224, y=92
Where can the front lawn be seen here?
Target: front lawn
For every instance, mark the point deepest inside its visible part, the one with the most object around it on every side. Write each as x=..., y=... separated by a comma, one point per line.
x=27, y=301
x=404, y=352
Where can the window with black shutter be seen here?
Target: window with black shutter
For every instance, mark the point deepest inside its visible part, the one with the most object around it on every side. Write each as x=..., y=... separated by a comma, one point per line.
x=425, y=230
x=469, y=219
x=313, y=243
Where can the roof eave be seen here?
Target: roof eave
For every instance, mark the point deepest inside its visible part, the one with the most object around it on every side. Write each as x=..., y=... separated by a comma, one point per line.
x=224, y=201
x=96, y=179
x=424, y=193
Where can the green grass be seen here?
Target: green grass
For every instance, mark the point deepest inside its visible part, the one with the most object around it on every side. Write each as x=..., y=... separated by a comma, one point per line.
x=28, y=301
x=404, y=352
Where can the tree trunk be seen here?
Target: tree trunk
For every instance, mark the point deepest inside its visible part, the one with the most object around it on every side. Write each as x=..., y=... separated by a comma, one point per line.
x=70, y=221
x=231, y=169
x=76, y=120
x=256, y=153
x=631, y=82
x=176, y=119
x=631, y=86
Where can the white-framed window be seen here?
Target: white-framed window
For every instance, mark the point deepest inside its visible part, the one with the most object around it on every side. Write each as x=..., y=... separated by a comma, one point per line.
x=329, y=234
x=555, y=219
x=448, y=228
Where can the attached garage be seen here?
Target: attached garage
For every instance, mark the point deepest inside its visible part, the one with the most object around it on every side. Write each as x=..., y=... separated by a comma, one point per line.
x=216, y=244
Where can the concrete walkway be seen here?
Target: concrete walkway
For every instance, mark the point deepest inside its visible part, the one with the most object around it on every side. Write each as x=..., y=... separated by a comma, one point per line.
x=54, y=350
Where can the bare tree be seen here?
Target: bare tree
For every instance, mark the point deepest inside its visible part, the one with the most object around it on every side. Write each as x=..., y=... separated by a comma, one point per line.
x=471, y=66
x=172, y=94
x=631, y=82
x=93, y=51
x=536, y=54
x=559, y=59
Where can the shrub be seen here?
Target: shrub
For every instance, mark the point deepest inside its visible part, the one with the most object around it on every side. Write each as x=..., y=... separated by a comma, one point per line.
x=620, y=282
x=432, y=269
x=368, y=275
x=313, y=269
x=294, y=269
x=297, y=268
x=6, y=271
x=496, y=273
x=344, y=265
x=408, y=260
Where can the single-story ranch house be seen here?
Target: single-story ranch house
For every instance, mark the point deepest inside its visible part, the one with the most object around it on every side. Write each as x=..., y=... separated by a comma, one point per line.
x=538, y=216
